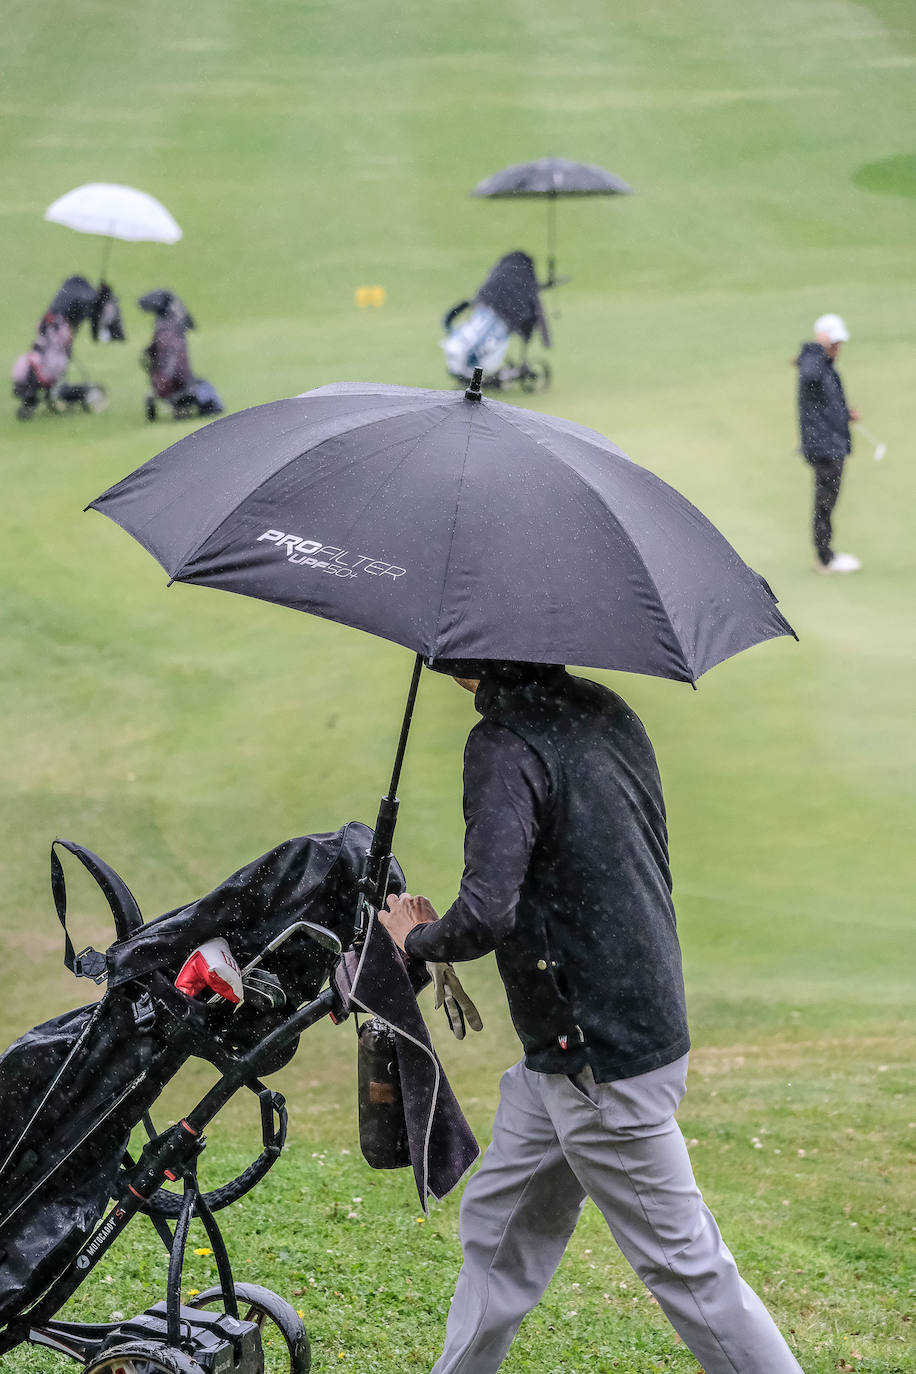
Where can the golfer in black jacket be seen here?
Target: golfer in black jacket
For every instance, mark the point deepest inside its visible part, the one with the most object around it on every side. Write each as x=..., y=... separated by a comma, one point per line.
x=823, y=419
x=566, y=878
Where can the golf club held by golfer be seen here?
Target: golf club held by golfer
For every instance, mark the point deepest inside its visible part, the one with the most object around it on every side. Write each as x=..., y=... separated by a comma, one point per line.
x=879, y=447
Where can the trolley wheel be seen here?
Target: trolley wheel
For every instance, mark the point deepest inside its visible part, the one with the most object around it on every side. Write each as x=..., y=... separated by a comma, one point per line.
x=283, y=1334
x=535, y=378
x=149, y=409
x=143, y=1357
x=96, y=399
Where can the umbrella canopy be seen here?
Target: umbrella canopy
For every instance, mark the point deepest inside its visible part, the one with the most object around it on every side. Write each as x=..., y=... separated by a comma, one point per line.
x=118, y=212
x=458, y=527
x=551, y=177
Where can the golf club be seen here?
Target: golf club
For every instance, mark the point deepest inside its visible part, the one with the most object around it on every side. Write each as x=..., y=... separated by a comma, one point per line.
x=877, y=445
x=324, y=937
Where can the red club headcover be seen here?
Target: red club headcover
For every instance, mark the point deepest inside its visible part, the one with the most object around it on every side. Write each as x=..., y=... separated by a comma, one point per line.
x=211, y=966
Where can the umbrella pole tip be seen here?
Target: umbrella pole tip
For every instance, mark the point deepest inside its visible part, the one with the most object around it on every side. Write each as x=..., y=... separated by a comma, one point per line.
x=473, y=392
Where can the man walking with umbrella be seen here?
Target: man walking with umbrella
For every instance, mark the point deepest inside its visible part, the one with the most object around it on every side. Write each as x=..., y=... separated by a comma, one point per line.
x=566, y=877
x=470, y=530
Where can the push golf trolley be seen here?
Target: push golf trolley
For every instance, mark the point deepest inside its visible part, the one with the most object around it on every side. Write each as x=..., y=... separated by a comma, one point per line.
x=41, y=373
x=506, y=307
x=223, y=1328
x=74, y=1089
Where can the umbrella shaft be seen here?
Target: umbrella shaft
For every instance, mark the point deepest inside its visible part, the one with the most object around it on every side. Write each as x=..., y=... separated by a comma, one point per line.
x=378, y=860
x=405, y=726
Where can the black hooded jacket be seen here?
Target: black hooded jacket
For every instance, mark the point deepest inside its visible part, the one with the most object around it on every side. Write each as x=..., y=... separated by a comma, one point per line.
x=823, y=416
x=589, y=956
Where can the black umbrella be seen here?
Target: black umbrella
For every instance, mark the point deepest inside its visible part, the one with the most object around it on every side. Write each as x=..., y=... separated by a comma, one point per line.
x=552, y=177
x=460, y=527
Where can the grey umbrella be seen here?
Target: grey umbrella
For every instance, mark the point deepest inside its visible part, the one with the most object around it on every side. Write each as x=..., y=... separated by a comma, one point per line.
x=458, y=526
x=551, y=177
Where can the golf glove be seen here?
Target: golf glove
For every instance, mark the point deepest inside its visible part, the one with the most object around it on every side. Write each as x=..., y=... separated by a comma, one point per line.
x=449, y=993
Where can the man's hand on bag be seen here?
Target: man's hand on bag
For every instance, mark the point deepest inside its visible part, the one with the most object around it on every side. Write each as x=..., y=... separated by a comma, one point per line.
x=450, y=994
x=401, y=913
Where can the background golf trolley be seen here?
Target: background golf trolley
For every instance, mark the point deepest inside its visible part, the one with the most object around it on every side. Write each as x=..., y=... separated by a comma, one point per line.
x=75, y=1088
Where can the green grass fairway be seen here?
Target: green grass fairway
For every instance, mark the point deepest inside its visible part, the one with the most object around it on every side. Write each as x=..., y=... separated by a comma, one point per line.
x=308, y=149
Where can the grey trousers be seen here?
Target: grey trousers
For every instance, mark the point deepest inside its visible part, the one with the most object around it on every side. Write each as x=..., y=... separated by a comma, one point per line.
x=557, y=1141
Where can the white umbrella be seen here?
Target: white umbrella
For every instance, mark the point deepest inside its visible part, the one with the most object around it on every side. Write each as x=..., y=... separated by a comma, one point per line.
x=115, y=212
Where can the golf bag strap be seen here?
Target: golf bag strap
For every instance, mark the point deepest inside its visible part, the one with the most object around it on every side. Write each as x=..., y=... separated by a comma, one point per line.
x=89, y=963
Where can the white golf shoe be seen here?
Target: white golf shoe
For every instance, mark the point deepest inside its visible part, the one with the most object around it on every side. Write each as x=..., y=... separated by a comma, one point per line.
x=839, y=563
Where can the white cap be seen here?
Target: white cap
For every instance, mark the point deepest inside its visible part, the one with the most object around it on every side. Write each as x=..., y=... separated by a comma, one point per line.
x=833, y=326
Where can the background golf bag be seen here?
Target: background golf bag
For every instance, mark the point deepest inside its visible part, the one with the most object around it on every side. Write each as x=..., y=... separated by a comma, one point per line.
x=73, y=1089
x=167, y=361
x=508, y=303
x=41, y=373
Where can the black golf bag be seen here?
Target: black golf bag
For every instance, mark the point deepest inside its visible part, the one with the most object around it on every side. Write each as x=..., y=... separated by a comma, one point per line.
x=168, y=363
x=507, y=305
x=73, y=1089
